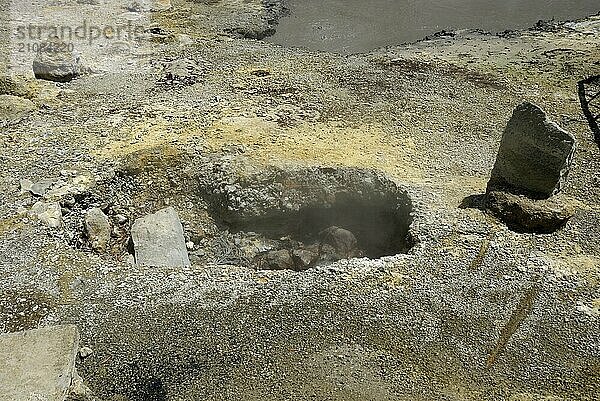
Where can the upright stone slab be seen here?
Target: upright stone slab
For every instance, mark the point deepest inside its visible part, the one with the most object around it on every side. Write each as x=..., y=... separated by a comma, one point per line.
x=158, y=240
x=38, y=364
x=535, y=155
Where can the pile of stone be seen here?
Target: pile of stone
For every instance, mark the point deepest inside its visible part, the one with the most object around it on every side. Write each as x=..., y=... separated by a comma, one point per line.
x=52, y=195
x=531, y=169
x=181, y=72
x=334, y=244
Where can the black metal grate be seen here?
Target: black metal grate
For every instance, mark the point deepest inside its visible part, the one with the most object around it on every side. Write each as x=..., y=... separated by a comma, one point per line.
x=589, y=95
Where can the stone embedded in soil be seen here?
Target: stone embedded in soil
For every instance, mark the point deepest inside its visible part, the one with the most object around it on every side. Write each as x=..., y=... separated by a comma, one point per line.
x=146, y=6
x=36, y=188
x=26, y=185
x=48, y=213
x=522, y=214
x=158, y=240
x=13, y=108
x=54, y=62
x=184, y=71
x=40, y=364
x=275, y=260
x=97, y=228
x=534, y=157
x=17, y=86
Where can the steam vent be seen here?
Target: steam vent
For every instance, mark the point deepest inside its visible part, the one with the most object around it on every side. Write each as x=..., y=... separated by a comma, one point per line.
x=299, y=200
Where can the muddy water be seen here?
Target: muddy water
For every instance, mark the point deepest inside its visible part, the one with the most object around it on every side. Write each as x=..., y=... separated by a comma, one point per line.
x=351, y=26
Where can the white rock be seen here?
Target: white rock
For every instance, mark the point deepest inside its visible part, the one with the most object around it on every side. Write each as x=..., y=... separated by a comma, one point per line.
x=48, y=213
x=84, y=352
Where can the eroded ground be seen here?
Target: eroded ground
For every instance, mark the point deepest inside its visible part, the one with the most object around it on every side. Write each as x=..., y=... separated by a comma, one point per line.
x=472, y=311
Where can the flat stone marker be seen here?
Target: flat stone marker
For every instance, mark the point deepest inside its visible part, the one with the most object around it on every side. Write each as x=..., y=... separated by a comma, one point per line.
x=158, y=240
x=39, y=364
x=535, y=155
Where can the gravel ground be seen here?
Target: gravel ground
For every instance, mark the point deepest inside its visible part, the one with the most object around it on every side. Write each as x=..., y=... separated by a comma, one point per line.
x=473, y=311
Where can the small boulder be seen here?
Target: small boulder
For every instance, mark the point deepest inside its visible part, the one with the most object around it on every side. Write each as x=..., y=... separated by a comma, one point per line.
x=534, y=157
x=55, y=62
x=36, y=188
x=526, y=215
x=48, y=213
x=40, y=188
x=158, y=240
x=85, y=352
x=97, y=228
x=343, y=241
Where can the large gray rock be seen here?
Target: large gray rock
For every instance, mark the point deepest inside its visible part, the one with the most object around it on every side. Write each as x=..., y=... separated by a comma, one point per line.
x=39, y=364
x=158, y=240
x=535, y=155
x=56, y=62
x=97, y=228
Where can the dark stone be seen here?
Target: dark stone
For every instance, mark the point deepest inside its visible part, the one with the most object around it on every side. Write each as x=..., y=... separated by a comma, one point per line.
x=343, y=241
x=304, y=259
x=276, y=260
x=526, y=215
x=256, y=33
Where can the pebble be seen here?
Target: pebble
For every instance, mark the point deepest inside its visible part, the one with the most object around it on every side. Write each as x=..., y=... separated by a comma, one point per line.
x=85, y=352
x=121, y=219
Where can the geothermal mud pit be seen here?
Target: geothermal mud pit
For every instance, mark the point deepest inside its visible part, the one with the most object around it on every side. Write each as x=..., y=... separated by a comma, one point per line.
x=295, y=219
